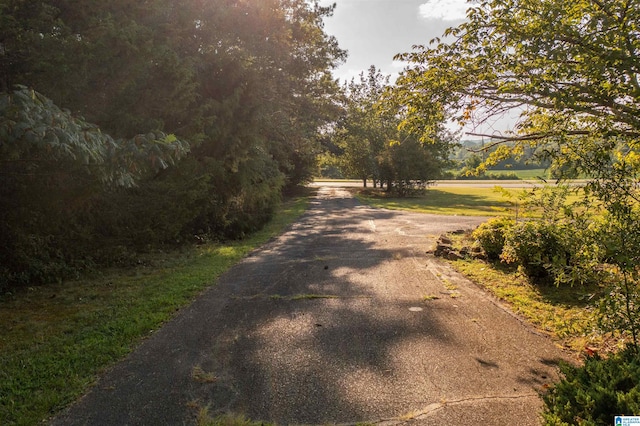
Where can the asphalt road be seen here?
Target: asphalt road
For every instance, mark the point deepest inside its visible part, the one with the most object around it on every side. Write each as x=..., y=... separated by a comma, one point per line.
x=343, y=319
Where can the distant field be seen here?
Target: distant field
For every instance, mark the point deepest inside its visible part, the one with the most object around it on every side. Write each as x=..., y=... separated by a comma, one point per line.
x=531, y=174
x=462, y=201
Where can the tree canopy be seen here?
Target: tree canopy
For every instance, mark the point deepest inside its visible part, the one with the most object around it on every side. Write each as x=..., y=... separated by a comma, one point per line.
x=571, y=67
x=372, y=144
x=243, y=86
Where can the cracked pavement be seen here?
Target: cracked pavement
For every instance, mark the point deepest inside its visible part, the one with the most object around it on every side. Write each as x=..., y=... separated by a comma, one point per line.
x=343, y=319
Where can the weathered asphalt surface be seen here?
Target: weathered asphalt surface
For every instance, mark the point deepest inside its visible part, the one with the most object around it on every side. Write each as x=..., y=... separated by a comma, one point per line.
x=343, y=319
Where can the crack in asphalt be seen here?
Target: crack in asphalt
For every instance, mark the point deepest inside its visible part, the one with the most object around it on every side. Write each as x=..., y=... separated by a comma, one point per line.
x=429, y=410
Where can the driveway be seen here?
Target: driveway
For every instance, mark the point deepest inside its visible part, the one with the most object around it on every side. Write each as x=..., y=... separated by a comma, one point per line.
x=343, y=319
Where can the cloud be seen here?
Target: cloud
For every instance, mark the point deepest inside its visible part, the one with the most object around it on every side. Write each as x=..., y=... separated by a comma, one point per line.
x=446, y=10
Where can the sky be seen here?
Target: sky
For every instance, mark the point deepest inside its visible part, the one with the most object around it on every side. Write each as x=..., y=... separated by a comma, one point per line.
x=374, y=31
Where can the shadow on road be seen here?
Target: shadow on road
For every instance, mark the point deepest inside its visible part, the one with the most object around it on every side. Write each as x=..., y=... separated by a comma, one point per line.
x=330, y=323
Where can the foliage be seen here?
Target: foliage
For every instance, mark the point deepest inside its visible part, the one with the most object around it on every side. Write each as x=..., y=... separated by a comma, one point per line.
x=372, y=145
x=491, y=236
x=470, y=156
x=362, y=131
x=246, y=84
x=512, y=53
x=51, y=164
x=535, y=246
x=561, y=245
x=592, y=394
x=407, y=166
x=618, y=237
x=38, y=138
x=467, y=174
x=578, y=102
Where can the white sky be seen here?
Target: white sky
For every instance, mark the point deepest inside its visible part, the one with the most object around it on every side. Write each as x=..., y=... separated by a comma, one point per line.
x=446, y=10
x=374, y=31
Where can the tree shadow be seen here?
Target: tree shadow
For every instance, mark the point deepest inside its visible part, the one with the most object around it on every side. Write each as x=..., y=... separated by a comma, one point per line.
x=300, y=333
x=299, y=329
x=443, y=201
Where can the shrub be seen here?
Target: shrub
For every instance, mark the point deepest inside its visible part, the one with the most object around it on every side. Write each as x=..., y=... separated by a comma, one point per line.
x=491, y=236
x=597, y=391
x=537, y=247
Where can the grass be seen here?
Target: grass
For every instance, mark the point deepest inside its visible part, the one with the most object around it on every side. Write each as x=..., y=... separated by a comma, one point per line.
x=57, y=339
x=457, y=201
x=562, y=312
x=205, y=419
x=201, y=376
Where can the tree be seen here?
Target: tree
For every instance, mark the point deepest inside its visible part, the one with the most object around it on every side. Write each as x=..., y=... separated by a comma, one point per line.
x=247, y=84
x=571, y=68
x=362, y=131
x=51, y=165
x=408, y=165
x=374, y=145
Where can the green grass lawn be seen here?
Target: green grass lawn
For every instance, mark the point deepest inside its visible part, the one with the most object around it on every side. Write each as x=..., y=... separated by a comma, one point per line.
x=462, y=201
x=563, y=312
x=57, y=339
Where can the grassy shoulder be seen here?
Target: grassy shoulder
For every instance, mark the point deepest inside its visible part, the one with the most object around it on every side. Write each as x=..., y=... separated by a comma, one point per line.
x=528, y=174
x=562, y=312
x=57, y=339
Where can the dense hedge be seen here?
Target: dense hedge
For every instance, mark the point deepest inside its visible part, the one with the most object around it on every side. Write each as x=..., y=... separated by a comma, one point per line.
x=592, y=394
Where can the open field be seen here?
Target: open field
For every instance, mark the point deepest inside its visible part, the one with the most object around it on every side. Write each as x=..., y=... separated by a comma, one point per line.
x=449, y=200
x=531, y=174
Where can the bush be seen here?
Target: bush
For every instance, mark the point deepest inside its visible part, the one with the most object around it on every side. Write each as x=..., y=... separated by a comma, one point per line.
x=491, y=236
x=470, y=174
x=537, y=247
x=596, y=392
x=408, y=167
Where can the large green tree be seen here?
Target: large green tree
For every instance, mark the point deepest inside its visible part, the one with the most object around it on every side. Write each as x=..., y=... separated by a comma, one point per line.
x=362, y=131
x=246, y=83
x=571, y=70
x=375, y=146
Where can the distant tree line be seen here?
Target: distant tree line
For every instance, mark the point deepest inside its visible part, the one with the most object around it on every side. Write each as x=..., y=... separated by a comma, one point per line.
x=131, y=125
